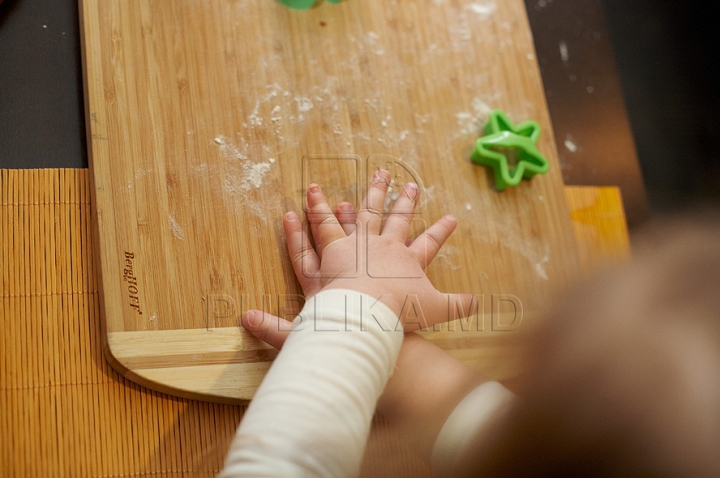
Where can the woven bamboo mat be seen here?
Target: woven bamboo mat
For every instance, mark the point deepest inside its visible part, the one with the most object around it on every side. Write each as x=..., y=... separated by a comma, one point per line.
x=63, y=410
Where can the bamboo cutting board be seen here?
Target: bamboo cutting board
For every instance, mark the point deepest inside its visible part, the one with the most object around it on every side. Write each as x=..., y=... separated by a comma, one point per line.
x=207, y=119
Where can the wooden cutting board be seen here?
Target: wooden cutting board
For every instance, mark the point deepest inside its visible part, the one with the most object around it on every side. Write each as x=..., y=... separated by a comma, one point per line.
x=207, y=119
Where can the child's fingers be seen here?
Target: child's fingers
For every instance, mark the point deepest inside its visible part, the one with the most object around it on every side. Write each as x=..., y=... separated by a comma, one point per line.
x=324, y=225
x=370, y=215
x=397, y=225
x=305, y=261
x=345, y=212
x=266, y=327
x=427, y=244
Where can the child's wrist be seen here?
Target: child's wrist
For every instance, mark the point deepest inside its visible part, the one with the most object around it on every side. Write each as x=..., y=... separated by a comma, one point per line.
x=395, y=303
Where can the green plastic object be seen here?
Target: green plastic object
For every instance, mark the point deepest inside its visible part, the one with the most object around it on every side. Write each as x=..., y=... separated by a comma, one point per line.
x=302, y=4
x=502, y=134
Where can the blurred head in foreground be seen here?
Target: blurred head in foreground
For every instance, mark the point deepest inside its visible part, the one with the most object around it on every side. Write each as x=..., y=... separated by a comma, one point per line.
x=626, y=375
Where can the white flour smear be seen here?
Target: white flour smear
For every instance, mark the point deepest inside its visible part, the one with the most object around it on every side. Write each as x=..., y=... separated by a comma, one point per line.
x=485, y=10
x=473, y=123
x=239, y=175
x=176, y=229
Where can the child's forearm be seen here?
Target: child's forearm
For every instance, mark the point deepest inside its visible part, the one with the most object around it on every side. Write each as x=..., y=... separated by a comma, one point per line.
x=311, y=416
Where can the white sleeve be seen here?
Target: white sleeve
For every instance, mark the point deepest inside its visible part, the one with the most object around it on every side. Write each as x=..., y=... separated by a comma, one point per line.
x=311, y=415
x=469, y=424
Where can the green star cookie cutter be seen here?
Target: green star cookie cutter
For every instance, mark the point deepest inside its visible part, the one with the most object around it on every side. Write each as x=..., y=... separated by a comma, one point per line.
x=502, y=134
x=302, y=4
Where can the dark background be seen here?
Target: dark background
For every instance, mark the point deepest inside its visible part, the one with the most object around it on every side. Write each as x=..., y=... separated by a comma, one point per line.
x=668, y=59
x=41, y=100
x=660, y=56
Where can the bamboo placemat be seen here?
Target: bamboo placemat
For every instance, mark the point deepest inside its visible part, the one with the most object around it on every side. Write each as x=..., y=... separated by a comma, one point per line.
x=64, y=411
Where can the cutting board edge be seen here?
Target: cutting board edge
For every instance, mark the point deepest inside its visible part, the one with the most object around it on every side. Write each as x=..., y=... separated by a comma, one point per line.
x=167, y=387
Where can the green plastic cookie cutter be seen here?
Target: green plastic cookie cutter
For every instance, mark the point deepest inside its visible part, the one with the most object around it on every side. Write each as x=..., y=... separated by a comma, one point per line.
x=302, y=4
x=502, y=136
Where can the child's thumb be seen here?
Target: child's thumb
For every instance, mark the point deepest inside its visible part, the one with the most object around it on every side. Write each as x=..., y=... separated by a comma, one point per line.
x=266, y=327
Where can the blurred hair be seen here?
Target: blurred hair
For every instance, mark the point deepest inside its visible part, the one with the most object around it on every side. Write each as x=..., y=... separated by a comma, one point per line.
x=626, y=375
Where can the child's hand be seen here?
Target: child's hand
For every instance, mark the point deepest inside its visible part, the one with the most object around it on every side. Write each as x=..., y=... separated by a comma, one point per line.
x=358, y=252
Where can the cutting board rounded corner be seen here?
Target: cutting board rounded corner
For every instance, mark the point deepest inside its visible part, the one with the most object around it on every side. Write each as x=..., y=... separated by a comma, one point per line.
x=183, y=382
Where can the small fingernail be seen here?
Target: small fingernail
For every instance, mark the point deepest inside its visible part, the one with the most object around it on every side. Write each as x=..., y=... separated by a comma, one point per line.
x=413, y=191
x=380, y=176
x=450, y=217
x=314, y=188
x=291, y=216
x=345, y=207
x=252, y=318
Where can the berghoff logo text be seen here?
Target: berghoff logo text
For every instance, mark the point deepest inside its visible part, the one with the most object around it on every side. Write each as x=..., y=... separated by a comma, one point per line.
x=129, y=277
